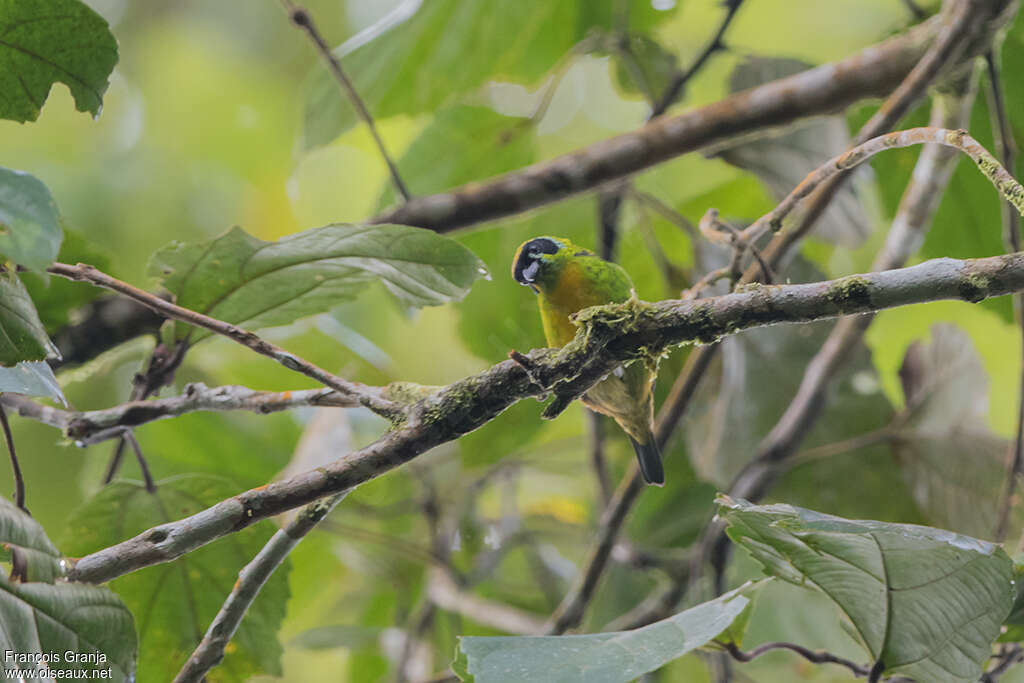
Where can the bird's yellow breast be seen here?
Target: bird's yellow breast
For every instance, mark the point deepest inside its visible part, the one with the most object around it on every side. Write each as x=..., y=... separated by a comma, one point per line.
x=571, y=291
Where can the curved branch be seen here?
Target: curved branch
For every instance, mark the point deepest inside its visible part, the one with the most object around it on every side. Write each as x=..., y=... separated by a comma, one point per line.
x=609, y=335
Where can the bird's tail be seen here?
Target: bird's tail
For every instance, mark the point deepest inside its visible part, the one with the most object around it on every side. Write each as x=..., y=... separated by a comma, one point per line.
x=650, y=460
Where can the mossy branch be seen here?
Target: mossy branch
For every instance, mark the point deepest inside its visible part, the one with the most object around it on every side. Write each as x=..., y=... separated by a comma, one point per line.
x=609, y=336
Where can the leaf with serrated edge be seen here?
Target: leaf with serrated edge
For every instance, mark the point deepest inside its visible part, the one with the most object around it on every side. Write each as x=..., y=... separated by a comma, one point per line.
x=243, y=280
x=927, y=602
x=597, y=657
x=89, y=621
x=22, y=336
x=46, y=41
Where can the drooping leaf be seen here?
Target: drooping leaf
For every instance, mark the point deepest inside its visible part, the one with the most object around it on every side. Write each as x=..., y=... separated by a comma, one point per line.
x=463, y=144
x=19, y=529
x=32, y=378
x=22, y=336
x=244, y=280
x=597, y=657
x=30, y=232
x=174, y=603
x=951, y=460
x=927, y=602
x=429, y=52
x=756, y=376
x=782, y=159
x=50, y=620
x=50, y=41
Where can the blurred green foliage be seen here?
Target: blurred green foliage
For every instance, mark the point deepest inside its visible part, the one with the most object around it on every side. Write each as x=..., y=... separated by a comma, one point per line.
x=208, y=123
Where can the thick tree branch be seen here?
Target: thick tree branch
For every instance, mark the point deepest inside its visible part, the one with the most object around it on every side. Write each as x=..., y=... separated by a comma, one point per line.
x=210, y=650
x=609, y=335
x=94, y=426
x=874, y=72
x=365, y=395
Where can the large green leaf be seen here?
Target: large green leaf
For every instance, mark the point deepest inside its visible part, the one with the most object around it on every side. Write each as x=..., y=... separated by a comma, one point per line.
x=22, y=336
x=46, y=41
x=30, y=231
x=460, y=145
x=927, y=602
x=448, y=48
x=597, y=657
x=79, y=628
x=757, y=373
x=174, y=603
x=241, y=279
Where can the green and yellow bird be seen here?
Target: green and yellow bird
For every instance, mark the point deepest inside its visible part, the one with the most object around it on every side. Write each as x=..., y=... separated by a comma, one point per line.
x=566, y=279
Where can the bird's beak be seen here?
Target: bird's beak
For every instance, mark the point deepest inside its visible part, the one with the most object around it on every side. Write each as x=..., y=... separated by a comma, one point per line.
x=530, y=272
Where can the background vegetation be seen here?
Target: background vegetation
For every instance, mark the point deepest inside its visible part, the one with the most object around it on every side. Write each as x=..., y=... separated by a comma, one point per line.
x=223, y=114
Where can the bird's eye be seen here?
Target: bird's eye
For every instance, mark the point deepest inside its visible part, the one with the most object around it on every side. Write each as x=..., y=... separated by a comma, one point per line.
x=534, y=252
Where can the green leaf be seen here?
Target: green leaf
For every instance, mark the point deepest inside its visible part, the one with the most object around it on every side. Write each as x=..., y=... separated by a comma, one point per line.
x=890, y=580
x=56, y=619
x=22, y=336
x=647, y=68
x=448, y=48
x=460, y=145
x=174, y=603
x=952, y=462
x=46, y=41
x=17, y=528
x=32, y=378
x=243, y=280
x=30, y=232
x=597, y=657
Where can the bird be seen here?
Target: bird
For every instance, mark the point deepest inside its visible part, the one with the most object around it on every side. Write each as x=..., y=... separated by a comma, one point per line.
x=566, y=279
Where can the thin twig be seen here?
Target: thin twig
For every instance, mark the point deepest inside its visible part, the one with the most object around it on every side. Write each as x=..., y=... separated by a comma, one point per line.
x=251, y=579
x=598, y=462
x=19, y=480
x=811, y=656
x=681, y=78
x=301, y=17
x=365, y=395
x=129, y=436
x=1006, y=148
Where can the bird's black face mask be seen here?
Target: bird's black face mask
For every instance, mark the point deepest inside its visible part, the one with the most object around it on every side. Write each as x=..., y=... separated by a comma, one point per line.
x=528, y=261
